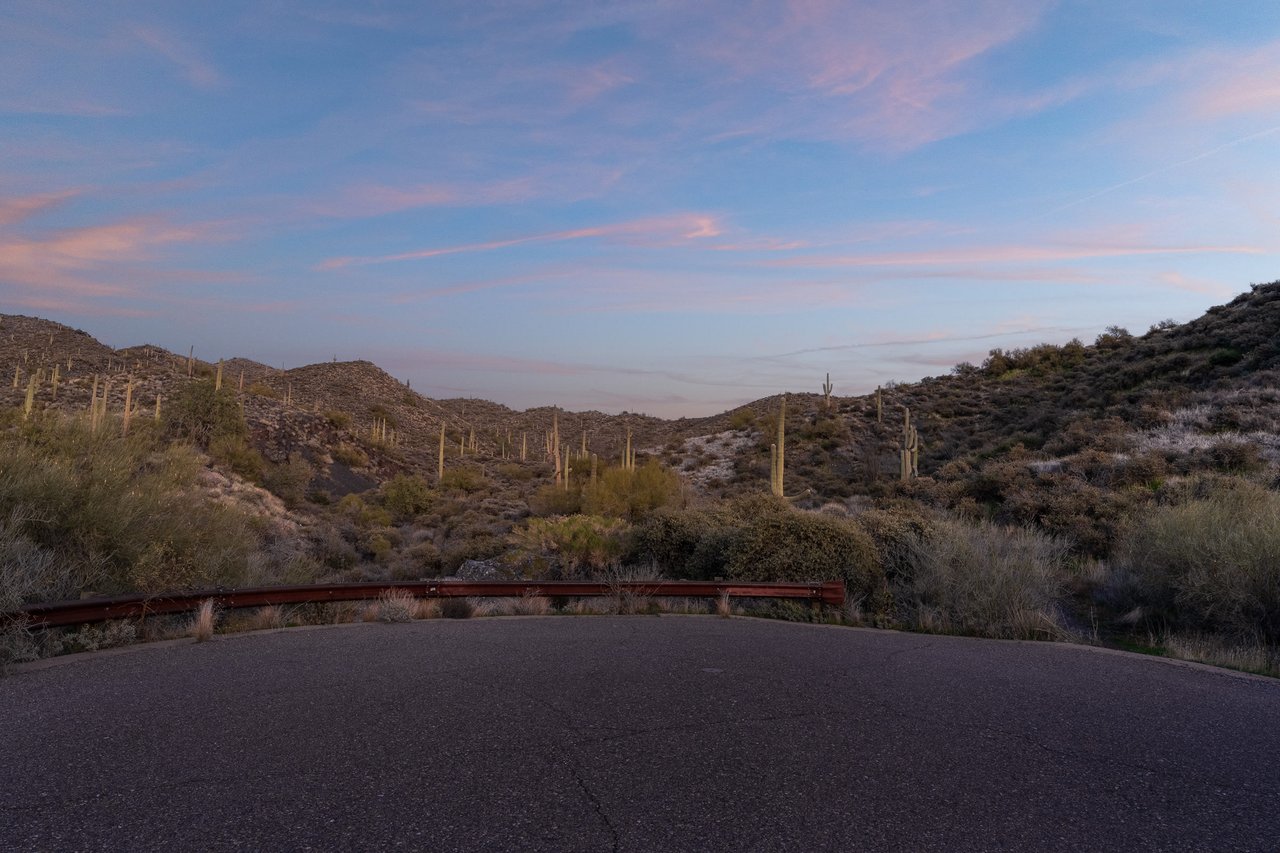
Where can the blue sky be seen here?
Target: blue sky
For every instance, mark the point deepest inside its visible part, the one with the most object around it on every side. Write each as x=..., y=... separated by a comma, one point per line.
x=664, y=207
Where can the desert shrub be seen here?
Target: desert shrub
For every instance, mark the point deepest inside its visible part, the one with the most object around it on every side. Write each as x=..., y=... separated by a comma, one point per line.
x=288, y=480
x=579, y=544
x=363, y=514
x=406, y=496
x=337, y=419
x=235, y=453
x=555, y=500
x=421, y=560
x=892, y=530
x=620, y=493
x=742, y=419
x=119, y=515
x=200, y=414
x=350, y=455
x=690, y=544
x=261, y=389
x=784, y=544
x=464, y=478
x=28, y=572
x=982, y=578
x=516, y=472
x=1210, y=563
x=1236, y=457
x=476, y=546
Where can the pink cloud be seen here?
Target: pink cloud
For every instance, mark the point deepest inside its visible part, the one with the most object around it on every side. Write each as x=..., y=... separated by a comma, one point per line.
x=73, y=260
x=1237, y=83
x=890, y=75
x=18, y=208
x=659, y=231
x=195, y=68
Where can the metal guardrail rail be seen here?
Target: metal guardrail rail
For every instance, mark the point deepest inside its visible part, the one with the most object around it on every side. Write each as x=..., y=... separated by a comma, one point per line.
x=88, y=610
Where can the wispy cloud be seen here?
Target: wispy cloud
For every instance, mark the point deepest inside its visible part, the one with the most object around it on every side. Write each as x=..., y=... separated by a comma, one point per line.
x=659, y=231
x=70, y=260
x=1009, y=254
x=14, y=209
x=1237, y=83
x=194, y=66
x=896, y=76
x=368, y=200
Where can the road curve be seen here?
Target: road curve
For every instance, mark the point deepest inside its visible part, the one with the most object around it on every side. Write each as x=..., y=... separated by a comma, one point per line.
x=634, y=734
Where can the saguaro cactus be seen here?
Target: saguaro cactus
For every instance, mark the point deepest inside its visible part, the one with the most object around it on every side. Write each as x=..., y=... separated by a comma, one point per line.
x=31, y=398
x=778, y=455
x=440, y=461
x=909, y=452
x=826, y=392
x=128, y=407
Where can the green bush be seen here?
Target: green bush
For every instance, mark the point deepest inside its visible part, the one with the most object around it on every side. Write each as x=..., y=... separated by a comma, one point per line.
x=289, y=480
x=777, y=543
x=200, y=414
x=350, y=455
x=632, y=495
x=464, y=478
x=555, y=500
x=1210, y=563
x=689, y=544
x=407, y=496
x=118, y=515
x=580, y=544
x=235, y=453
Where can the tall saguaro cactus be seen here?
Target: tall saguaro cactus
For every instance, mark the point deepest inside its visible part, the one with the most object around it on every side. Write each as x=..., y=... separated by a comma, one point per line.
x=909, y=452
x=440, y=461
x=778, y=456
x=827, y=388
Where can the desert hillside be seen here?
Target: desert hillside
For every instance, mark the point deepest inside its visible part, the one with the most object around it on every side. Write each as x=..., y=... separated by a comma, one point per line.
x=1068, y=476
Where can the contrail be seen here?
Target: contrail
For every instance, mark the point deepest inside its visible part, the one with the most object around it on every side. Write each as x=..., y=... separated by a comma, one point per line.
x=1212, y=151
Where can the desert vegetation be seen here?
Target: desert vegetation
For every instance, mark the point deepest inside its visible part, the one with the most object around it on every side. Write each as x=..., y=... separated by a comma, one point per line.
x=1123, y=491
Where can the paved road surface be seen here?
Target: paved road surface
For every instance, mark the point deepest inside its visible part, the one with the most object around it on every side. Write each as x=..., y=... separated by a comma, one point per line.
x=638, y=733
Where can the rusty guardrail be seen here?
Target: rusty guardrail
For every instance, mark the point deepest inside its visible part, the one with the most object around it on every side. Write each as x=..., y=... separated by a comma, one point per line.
x=84, y=611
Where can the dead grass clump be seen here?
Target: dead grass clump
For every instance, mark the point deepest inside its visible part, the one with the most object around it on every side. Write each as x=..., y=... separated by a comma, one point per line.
x=396, y=605
x=723, y=608
x=1249, y=655
x=490, y=607
x=530, y=604
x=426, y=608
x=590, y=607
x=204, y=622
x=266, y=618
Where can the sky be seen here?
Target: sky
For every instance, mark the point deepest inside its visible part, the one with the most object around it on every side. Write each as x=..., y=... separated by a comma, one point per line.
x=660, y=207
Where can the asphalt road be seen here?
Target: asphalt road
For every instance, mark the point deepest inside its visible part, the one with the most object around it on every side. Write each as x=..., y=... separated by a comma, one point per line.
x=636, y=733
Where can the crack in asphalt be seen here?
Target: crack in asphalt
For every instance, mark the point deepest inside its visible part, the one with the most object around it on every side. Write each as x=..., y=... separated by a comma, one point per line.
x=596, y=805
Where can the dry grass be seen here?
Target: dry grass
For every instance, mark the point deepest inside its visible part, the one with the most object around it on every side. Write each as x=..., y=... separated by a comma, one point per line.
x=396, y=605
x=530, y=604
x=1243, y=654
x=590, y=607
x=984, y=579
x=426, y=608
x=723, y=608
x=204, y=622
